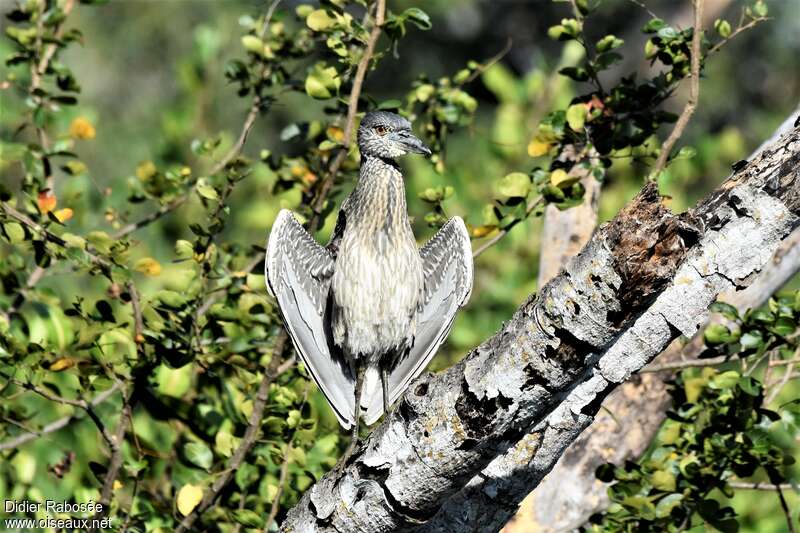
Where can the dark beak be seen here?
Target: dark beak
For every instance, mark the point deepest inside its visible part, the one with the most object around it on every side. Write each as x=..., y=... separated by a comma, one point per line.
x=414, y=144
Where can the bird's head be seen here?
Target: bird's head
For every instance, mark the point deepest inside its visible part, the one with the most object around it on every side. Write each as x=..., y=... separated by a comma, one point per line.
x=387, y=135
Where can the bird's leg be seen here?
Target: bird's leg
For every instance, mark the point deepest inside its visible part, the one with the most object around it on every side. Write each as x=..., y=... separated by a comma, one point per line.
x=385, y=386
x=360, y=371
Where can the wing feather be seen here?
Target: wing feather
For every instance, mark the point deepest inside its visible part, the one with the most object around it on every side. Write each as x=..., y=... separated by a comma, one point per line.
x=298, y=272
x=447, y=266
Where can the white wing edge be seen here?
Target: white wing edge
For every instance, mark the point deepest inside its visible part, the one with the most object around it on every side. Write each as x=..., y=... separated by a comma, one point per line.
x=285, y=216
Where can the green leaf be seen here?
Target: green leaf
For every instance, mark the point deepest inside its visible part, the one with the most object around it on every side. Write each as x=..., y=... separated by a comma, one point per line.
x=248, y=518
x=716, y=334
x=198, y=454
x=752, y=340
x=666, y=504
x=723, y=28
x=253, y=44
x=15, y=232
x=663, y=480
x=206, y=191
x=609, y=42
x=725, y=309
x=418, y=17
x=750, y=386
x=514, y=185
x=783, y=326
x=576, y=116
x=653, y=25
x=319, y=20
x=725, y=380
x=322, y=82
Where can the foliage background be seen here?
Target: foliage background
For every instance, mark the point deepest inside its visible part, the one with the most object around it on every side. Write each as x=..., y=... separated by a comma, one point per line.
x=152, y=77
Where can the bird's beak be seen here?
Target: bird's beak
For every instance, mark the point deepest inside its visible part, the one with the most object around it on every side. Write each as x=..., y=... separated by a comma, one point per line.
x=414, y=144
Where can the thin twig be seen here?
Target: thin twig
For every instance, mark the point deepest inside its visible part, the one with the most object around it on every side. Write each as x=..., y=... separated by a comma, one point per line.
x=688, y=363
x=694, y=93
x=744, y=485
x=50, y=236
x=352, y=109
x=502, y=233
x=483, y=67
x=787, y=375
x=248, y=440
x=785, y=507
x=58, y=424
x=116, y=461
x=152, y=217
x=781, y=362
x=736, y=32
x=37, y=72
x=273, y=512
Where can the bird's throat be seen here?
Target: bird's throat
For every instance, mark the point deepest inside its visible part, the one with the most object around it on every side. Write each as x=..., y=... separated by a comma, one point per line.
x=379, y=199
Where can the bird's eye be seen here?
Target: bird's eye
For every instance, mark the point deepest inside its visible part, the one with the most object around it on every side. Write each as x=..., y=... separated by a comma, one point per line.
x=381, y=130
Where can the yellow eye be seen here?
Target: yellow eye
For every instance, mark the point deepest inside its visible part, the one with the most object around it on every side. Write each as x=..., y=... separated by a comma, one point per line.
x=381, y=130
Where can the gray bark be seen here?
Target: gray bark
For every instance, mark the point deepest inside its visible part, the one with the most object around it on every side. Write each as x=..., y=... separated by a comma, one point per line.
x=644, y=278
x=632, y=414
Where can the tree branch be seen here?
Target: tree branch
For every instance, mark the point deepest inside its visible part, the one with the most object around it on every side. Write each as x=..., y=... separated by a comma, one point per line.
x=694, y=93
x=502, y=233
x=633, y=413
x=274, y=369
x=352, y=110
x=614, y=308
x=58, y=424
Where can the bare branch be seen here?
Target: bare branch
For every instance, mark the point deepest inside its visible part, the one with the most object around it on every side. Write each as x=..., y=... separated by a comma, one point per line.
x=115, y=443
x=503, y=232
x=614, y=308
x=759, y=486
x=694, y=93
x=352, y=109
x=688, y=363
x=571, y=492
x=58, y=424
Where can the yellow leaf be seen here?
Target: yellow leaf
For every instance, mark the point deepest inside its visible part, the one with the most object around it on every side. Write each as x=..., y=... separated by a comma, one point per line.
x=81, y=129
x=482, y=231
x=63, y=214
x=62, y=364
x=145, y=170
x=560, y=178
x=188, y=498
x=246, y=407
x=117, y=484
x=148, y=266
x=335, y=134
x=538, y=148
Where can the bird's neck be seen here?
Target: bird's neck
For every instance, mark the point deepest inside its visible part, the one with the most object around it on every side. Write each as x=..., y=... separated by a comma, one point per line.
x=380, y=193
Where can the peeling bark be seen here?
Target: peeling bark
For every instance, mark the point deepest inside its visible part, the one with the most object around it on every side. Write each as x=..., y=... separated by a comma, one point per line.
x=632, y=414
x=644, y=278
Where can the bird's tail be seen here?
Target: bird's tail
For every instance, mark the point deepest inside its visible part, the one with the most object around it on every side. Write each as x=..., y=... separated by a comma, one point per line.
x=371, y=387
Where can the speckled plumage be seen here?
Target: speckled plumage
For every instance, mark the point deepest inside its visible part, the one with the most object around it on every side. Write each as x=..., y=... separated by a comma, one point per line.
x=370, y=308
x=377, y=281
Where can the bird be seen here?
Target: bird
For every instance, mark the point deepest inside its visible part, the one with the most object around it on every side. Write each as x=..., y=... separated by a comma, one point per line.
x=368, y=311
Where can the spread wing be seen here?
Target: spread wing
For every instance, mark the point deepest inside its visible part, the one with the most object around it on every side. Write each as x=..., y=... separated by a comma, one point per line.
x=298, y=272
x=447, y=266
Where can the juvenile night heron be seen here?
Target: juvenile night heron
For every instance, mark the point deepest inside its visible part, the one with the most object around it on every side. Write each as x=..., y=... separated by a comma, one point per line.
x=367, y=312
